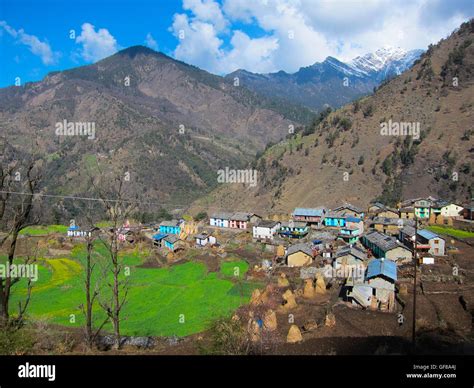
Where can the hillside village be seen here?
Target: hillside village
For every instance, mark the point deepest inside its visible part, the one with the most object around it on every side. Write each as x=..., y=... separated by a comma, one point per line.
x=359, y=258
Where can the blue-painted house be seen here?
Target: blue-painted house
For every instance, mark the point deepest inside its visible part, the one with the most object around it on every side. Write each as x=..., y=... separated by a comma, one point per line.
x=294, y=229
x=158, y=239
x=172, y=242
x=349, y=234
x=170, y=227
x=334, y=219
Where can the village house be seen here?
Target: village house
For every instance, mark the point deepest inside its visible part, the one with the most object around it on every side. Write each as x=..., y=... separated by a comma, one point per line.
x=375, y=207
x=334, y=220
x=314, y=217
x=381, y=276
x=349, y=234
x=265, y=230
x=468, y=212
x=426, y=241
x=299, y=255
x=349, y=256
x=390, y=226
x=353, y=229
x=383, y=246
x=173, y=242
x=158, y=239
x=239, y=220
x=422, y=208
x=293, y=229
x=204, y=239
x=170, y=227
x=447, y=209
x=378, y=289
x=220, y=219
x=387, y=213
x=350, y=210
x=407, y=212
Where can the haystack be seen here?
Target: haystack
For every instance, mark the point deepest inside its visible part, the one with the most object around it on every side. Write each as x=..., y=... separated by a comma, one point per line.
x=290, y=302
x=283, y=281
x=270, y=320
x=256, y=297
x=309, y=291
x=320, y=284
x=294, y=335
x=330, y=320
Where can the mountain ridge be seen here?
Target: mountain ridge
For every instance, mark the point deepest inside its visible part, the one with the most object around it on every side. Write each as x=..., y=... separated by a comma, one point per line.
x=331, y=82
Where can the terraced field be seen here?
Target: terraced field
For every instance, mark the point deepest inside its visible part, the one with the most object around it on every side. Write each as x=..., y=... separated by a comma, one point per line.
x=178, y=300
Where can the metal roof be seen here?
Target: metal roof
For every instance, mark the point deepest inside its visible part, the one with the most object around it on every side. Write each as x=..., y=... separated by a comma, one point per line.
x=353, y=219
x=354, y=251
x=239, y=216
x=221, y=215
x=170, y=223
x=350, y=207
x=159, y=236
x=295, y=224
x=303, y=247
x=307, y=212
x=267, y=224
x=384, y=242
x=383, y=267
x=427, y=234
x=171, y=238
x=334, y=214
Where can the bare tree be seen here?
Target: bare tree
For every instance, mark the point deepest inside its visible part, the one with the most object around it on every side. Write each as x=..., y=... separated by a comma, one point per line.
x=16, y=213
x=92, y=291
x=112, y=191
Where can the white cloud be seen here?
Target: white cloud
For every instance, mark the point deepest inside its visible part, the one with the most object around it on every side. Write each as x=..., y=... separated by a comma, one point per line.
x=297, y=33
x=207, y=11
x=199, y=43
x=96, y=45
x=35, y=45
x=151, y=42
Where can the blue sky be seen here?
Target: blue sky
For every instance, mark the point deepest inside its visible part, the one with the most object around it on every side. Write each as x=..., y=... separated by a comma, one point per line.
x=218, y=36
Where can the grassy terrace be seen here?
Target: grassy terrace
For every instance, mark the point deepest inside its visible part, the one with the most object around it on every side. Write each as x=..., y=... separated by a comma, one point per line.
x=451, y=231
x=177, y=300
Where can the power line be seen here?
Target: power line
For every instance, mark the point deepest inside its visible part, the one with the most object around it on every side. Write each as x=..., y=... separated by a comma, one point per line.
x=93, y=199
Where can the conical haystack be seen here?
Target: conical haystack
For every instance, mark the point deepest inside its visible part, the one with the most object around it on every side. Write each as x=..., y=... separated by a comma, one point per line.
x=283, y=281
x=294, y=335
x=256, y=297
x=309, y=291
x=320, y=284
x=330, y=320
x=270, y=320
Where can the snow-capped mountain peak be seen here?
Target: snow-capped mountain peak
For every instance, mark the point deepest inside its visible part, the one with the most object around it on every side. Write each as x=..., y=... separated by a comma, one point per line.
x=388, y=59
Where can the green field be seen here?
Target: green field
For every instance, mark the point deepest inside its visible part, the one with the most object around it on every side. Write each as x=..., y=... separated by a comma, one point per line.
x=179, y=300
x=43, y=230
x=451, y=231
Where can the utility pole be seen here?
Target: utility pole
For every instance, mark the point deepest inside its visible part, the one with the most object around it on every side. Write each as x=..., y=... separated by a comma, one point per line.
x=415, y=258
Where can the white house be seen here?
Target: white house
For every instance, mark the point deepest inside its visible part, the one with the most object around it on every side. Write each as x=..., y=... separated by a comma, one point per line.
x=220, y=219
x=452, y=210
x=265, y=230
x=204, y=239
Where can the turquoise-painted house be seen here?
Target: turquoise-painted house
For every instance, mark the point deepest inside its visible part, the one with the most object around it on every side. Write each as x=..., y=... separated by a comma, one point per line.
x=294, y=229
x=349, y=234
x=335, y=220
x=172, y=242
x=170, y=227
